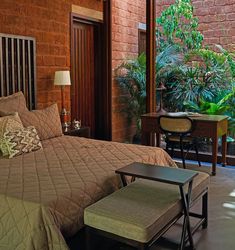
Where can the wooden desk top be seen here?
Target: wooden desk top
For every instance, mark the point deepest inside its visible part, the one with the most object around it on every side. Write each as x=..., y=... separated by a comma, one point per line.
x=170, y=175
x=203, y=117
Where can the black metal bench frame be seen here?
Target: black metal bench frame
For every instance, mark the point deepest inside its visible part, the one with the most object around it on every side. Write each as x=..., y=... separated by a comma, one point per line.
x=203, y=221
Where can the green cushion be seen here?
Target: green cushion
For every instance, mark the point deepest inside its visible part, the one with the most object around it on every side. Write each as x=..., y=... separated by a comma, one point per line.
x=139, y=210
x=135, y=212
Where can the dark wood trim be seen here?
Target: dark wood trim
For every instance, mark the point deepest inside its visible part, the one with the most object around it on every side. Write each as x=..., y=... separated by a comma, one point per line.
x=85, y=19
x=150, y=55
x=107, y=12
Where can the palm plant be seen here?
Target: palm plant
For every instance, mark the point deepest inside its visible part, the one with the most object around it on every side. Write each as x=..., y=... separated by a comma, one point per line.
x=166, y=62
x=131, y=76
x=200, y=80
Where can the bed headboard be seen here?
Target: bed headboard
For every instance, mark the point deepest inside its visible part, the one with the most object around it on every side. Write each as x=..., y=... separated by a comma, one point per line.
x=18, y=67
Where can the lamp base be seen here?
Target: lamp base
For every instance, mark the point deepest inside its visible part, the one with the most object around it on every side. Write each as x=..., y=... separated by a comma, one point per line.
x=65, y=119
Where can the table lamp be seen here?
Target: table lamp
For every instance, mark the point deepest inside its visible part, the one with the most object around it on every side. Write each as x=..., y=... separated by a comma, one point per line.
x=62, y=78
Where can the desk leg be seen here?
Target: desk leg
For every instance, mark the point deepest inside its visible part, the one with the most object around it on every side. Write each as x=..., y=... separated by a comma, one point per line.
x=145, y=138
x=224, y=149
x=214, y=154
x=158, y=138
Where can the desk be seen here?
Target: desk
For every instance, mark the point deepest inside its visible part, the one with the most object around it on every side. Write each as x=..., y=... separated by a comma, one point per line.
x=211, y=126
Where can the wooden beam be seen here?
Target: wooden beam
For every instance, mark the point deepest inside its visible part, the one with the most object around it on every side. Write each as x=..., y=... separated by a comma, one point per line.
x=150, y=55
x=107, y=17
x=90, y=13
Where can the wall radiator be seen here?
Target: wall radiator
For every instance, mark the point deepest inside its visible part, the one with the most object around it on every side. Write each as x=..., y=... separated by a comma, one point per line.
x=18, y=67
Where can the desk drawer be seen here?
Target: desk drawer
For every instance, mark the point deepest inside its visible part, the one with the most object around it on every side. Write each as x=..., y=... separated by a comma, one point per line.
x=205, y=129
x=150, y=125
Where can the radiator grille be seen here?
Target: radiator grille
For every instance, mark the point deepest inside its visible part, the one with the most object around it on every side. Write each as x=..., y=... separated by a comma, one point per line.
x=18, y=67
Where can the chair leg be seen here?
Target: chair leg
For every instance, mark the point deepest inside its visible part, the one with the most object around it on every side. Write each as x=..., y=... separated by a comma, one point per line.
x=172, y=148
x=167, y=147
x=197, y=154
x=182, y=152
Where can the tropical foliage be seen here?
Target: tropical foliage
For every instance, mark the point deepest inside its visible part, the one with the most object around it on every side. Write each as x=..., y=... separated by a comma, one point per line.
x=200, y=79
x=197, y=78
x=178, y=26
x=131, y=76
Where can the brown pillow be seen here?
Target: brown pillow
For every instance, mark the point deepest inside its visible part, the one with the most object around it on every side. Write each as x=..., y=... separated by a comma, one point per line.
x=46, y=121
x=13, y=103
x=22, y=141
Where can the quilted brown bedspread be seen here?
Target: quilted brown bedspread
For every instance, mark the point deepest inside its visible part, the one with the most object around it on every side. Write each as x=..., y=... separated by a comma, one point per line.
x=43, y=194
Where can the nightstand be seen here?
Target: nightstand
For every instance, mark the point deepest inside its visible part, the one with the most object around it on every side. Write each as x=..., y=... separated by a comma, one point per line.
x=82, y=132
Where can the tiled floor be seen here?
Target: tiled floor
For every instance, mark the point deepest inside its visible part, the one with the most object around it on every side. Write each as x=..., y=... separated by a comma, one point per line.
x=220, y=234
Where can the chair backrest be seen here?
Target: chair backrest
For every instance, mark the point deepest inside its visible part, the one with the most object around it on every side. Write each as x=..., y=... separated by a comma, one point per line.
x=177, y=125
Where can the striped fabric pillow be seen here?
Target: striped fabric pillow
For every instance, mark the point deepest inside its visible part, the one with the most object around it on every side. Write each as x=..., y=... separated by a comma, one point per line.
x=22, y=141
x=8, y=123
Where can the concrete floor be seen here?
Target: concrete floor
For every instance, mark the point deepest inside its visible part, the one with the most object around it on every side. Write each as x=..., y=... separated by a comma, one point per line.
x=220, y=234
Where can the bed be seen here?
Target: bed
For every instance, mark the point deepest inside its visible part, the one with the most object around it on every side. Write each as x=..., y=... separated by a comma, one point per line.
x=43, y=193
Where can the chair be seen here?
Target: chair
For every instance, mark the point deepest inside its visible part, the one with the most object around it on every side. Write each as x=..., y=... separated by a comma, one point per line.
x=178, y=131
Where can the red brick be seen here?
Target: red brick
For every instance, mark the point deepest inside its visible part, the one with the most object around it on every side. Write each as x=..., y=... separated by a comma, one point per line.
x=231, y=17
x=49, y=23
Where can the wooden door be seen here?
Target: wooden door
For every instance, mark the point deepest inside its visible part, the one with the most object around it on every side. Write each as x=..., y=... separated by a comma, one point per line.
x=91, y=67
x=83, y=64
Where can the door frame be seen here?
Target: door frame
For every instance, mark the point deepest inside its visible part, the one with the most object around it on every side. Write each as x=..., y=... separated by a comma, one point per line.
x=106, y=67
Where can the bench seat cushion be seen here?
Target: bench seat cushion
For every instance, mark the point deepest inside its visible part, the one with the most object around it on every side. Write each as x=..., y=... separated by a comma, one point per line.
x=139, y=210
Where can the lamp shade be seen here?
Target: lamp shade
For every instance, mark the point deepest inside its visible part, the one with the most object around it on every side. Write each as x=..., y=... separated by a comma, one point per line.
x=62, y=78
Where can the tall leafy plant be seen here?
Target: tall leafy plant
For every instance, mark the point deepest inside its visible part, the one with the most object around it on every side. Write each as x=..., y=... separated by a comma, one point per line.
x=177, y=25
x=131, y=76
x=199, y=80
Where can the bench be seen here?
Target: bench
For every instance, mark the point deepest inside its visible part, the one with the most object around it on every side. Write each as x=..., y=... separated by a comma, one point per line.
x=141, y=212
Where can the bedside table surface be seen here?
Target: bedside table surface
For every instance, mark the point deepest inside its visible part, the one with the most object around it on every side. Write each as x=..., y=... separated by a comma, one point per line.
x=82, y=132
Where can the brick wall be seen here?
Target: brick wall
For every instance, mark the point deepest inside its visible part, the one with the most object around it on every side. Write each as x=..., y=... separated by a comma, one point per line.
x=49, y=22
x=125, y=46
x=216, y=22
